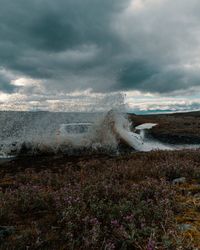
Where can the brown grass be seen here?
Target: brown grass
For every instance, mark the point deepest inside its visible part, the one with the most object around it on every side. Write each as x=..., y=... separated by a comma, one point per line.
x=100, y=202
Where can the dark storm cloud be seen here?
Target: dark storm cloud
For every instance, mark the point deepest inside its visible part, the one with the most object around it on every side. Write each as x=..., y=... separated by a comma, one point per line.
x=163, y=40
x=104, y=45
x=34, y=33
x=5, y=85
x=152, y=78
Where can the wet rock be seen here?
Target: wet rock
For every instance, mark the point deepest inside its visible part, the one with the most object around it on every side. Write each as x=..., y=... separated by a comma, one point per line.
x=184, y=227
x=6, y=231
x=179, y=180
x=197, y=196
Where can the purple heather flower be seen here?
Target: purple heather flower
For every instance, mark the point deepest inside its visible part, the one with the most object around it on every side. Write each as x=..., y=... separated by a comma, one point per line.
x=129, y=218
x=114, y=223
x=94, y=221
x=110, y=246
x=151, y=245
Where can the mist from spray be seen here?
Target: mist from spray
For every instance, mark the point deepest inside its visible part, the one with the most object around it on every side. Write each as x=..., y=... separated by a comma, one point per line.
x=39, y=132
x=35, y=133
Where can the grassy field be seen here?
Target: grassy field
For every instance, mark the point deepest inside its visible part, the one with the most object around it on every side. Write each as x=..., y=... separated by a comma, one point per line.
x=101, y=202
x=181, y=128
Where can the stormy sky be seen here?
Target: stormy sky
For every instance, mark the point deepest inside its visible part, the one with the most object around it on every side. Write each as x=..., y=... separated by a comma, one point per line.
x=73, y=53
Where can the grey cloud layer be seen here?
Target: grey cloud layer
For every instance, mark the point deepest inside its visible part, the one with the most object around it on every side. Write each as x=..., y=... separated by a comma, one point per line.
x=103, y=45
x=5, y=85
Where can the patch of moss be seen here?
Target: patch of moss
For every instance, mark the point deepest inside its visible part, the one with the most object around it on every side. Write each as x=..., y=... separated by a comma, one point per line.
x=189, y=214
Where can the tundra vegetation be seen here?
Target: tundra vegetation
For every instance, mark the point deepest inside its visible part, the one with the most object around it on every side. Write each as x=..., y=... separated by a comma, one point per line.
x=101, y=202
